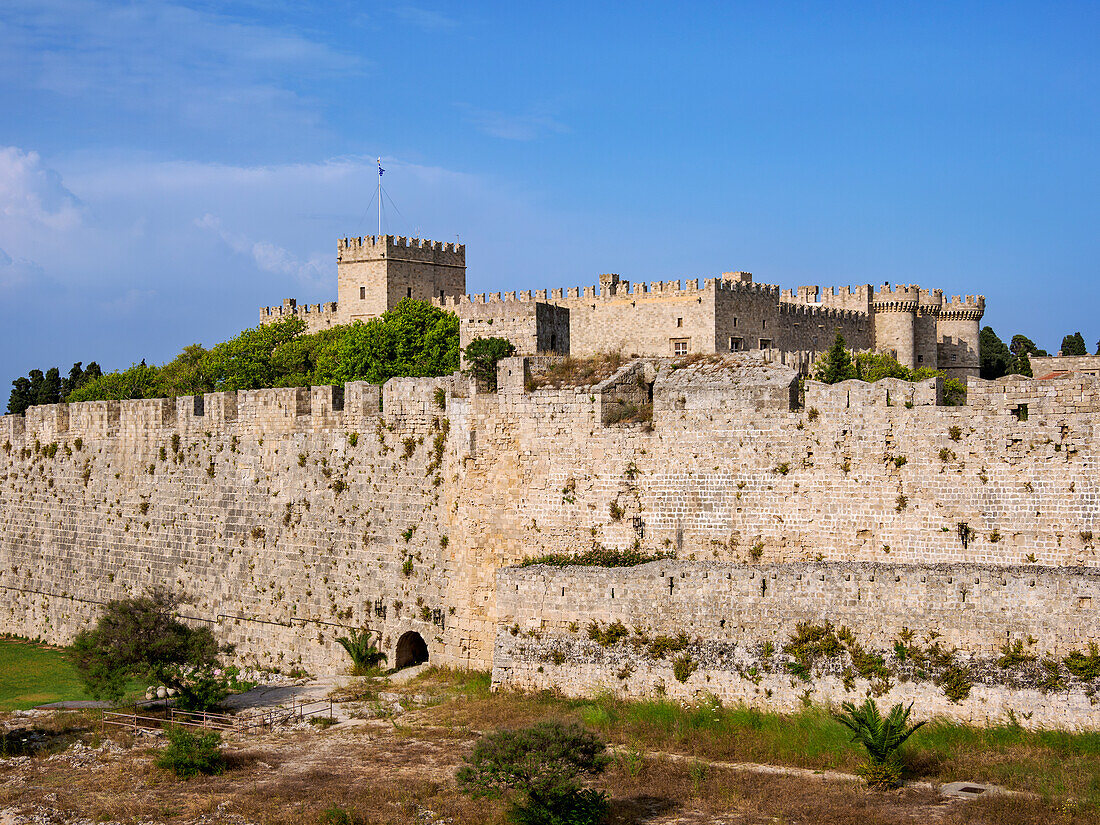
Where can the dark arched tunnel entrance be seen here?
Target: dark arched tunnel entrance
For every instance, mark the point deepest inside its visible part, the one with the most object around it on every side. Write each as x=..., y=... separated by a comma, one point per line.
x=411, y=650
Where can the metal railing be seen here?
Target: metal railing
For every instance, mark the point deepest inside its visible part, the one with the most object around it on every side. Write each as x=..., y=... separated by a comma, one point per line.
x=252, y=722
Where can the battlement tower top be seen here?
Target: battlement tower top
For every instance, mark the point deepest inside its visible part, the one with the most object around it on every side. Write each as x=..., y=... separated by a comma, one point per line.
x=399, y=247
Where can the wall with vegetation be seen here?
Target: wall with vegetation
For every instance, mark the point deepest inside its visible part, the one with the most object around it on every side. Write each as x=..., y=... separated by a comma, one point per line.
x=292, y=515
x=976, y=643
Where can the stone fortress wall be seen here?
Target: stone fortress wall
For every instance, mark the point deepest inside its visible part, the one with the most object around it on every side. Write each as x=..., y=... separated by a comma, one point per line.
x=290, y=516
x=662, y=318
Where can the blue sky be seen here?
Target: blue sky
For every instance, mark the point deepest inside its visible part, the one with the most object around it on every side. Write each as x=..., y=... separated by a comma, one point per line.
x=168, y=168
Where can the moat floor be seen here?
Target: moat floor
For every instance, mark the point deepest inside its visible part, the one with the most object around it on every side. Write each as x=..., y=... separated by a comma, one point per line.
x=394, y=759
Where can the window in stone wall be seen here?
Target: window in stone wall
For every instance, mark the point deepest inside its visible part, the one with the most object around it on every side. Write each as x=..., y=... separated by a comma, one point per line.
x=362, y=293
x=679, y=322
x=737, y=344
x=920, y=359
x=764, y=324
x=735, y=320
x=408, y=292
x=442, y=294
x=679, y=346
x=765, y=343
x=954, y=358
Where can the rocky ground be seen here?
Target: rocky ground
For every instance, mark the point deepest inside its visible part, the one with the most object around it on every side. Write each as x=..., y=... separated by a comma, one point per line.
x=387, y=759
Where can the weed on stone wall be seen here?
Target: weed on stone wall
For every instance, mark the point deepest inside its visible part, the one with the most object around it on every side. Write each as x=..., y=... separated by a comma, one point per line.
x=683, y=667
x=606, y=637
x=599, y=556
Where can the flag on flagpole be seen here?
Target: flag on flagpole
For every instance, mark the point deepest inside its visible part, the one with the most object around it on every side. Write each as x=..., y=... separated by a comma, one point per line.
x=380, y=169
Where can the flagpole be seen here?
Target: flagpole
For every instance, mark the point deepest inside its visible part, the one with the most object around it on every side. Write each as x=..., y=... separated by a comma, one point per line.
x=379, y=198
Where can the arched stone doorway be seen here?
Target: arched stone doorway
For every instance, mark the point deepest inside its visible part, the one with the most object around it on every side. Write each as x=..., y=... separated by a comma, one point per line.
x=411, y=650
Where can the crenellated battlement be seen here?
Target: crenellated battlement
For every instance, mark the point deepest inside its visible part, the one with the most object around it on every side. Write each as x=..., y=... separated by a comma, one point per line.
x=897, y=297
x=373, y=247
x=738, y=282
x=278, y=409
x=310, y=313
x=972, y=307
x=792, y=310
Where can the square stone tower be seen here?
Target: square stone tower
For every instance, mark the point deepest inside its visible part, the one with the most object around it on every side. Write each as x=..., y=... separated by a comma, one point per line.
x=375, y=273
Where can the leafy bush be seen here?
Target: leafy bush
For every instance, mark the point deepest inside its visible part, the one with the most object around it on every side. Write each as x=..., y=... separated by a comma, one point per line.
x=574, y=807
x=539, y=768
x=363, y=652
x=190, y=753
x=882, y=776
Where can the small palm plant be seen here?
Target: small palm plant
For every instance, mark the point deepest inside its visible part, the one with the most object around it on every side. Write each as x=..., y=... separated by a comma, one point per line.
x=881, y=736
x=365, y=656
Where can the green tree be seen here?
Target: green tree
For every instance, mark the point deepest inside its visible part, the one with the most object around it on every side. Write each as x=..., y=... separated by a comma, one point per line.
x=186, y=374
x=76, y=374
x=245, y=362
x=21, y=396
x=142, y=638
x=296, y=361
x=1074, y=345
x=50, y=391
x=1021, y=365
x=1022, y=348
x=541, y=766
x=873, y=366
x=138, y=381
x=995, y=357
x=836, y=365
x=413, y=339
x=37, y=380
x=880, y=736
x=482, y=356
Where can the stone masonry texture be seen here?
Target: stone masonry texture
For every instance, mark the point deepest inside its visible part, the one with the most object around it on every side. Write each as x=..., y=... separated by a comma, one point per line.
x=290, y=516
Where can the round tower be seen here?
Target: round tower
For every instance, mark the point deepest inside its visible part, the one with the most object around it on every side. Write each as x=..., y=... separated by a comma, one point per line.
x=926, y=337
x=957, y=334
x=894, y=310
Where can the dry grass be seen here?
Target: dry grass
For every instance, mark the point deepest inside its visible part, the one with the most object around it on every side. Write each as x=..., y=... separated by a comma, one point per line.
x=401, y=771
x=577, y=372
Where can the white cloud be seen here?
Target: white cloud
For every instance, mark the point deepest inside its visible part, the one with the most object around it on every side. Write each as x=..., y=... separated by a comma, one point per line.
x=267, y=256
x=164, y=61
x=33, y=193
x=512, y=126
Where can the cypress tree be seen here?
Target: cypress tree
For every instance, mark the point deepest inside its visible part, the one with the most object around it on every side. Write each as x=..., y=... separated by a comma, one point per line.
x=836, y=366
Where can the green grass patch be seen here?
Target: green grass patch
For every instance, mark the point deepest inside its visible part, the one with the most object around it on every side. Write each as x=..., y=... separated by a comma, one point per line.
x=33, y=674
